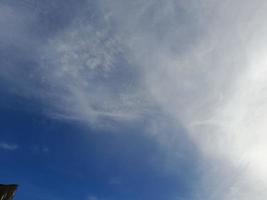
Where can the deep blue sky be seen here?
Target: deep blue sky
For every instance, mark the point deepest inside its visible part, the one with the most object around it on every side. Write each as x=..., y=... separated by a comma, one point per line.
x=60, y=160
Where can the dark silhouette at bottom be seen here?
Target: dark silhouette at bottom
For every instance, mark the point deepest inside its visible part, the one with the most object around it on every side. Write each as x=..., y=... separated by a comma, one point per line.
x=7, y=192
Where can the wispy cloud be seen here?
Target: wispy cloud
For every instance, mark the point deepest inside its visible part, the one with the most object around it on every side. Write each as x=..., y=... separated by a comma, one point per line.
x=89, y=78
x=92, y=198
x=39, y=149
x=206, y=68
x=8, y=146
x=115, y=181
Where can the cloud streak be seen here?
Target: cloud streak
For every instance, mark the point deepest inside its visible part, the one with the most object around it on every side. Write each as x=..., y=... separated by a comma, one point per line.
x=8, y=146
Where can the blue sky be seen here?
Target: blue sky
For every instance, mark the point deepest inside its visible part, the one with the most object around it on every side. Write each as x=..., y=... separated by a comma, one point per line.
x=57, y=160
x=133, y=100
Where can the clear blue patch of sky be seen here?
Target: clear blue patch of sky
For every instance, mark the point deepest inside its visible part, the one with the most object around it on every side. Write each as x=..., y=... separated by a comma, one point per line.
x=66, y=161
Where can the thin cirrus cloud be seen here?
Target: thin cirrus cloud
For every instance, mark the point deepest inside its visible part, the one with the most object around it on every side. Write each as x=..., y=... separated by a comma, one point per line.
x=92, y=198
x=8, y=146
x=202, y=63
x=84, y=76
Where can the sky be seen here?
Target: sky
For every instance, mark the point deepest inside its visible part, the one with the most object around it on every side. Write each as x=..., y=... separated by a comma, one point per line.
x=134, y=100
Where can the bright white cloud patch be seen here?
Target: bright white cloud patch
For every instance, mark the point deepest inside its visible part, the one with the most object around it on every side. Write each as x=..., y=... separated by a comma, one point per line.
x=214, y=83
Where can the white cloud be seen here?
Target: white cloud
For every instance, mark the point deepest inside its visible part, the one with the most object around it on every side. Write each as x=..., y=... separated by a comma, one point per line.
x=214, y=84
x=8, y=146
